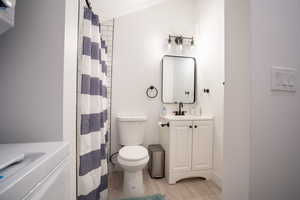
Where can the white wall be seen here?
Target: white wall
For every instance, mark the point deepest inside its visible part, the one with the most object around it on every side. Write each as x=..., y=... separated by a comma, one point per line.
x=31, y=73
x=237, y=101
x=139, y=45
x=69, y=89
x=110, y=9
x=210, y=56
x=275, y=138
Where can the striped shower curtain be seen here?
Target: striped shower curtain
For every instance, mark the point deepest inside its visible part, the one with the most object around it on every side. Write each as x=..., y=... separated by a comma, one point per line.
x=92, y=123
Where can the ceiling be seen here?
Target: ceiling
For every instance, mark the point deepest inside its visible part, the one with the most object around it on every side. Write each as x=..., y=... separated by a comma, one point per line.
x=109, y=9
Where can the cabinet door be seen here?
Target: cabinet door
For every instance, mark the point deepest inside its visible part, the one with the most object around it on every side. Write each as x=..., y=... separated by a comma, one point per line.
x=202, y=145
x=181, y=143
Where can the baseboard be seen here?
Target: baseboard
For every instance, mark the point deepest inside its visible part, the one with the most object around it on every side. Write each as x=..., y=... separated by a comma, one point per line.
x=217, y=180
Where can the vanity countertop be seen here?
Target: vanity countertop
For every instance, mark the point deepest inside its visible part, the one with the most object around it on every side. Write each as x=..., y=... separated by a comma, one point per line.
x=187, y=117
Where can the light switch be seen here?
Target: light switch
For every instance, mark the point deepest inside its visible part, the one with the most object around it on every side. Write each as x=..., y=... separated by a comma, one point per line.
x=284, y=79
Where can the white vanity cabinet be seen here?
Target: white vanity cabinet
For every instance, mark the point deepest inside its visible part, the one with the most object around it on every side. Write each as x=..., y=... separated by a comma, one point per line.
x=188, y=143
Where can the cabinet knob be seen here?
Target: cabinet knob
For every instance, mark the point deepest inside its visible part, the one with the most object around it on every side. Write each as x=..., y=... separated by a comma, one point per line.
x=191, y=126
x=196, y=126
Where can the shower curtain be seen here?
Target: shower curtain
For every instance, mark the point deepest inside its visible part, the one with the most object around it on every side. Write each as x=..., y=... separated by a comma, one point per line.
x=92, y=126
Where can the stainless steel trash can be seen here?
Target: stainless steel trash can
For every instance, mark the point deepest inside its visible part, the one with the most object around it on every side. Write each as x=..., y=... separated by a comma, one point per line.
x=156, y=165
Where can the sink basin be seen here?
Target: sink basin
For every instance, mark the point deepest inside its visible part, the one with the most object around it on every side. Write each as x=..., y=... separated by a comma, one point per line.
x=186, y=117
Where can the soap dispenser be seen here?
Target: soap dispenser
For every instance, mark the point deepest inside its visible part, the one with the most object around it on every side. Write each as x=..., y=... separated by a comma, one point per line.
x=163, y=111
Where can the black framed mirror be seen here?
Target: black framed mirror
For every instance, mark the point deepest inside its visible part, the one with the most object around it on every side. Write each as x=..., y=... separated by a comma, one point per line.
x=178, y=79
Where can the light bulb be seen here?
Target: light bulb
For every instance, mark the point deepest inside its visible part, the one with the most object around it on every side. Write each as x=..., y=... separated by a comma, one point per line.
x=169, y=42
x=192, y=42
x=180, y=47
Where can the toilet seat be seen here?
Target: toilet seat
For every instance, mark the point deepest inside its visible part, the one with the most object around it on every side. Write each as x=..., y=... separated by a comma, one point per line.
x=133, y=153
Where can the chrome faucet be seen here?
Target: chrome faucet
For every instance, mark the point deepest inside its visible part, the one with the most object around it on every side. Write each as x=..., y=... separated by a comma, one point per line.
x=180, y=108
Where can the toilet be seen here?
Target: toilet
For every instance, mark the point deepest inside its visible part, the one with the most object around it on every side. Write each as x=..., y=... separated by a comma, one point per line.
x=133, y=157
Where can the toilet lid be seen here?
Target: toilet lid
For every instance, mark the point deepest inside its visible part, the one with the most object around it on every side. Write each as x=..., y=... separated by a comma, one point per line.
x=133, y=153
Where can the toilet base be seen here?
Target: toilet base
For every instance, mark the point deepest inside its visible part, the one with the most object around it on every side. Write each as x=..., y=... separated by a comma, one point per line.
x=133, y=185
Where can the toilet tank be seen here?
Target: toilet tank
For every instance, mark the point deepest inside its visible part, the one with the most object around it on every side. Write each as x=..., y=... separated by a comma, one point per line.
x=131, y=130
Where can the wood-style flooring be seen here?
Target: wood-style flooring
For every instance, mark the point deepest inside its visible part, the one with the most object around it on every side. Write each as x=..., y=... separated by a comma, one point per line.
x=188, y=189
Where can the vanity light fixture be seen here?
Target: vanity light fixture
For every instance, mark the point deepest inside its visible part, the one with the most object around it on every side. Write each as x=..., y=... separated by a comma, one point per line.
x=180, y=40
x=180, y=47
x=192, y=42
x=169, y=42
